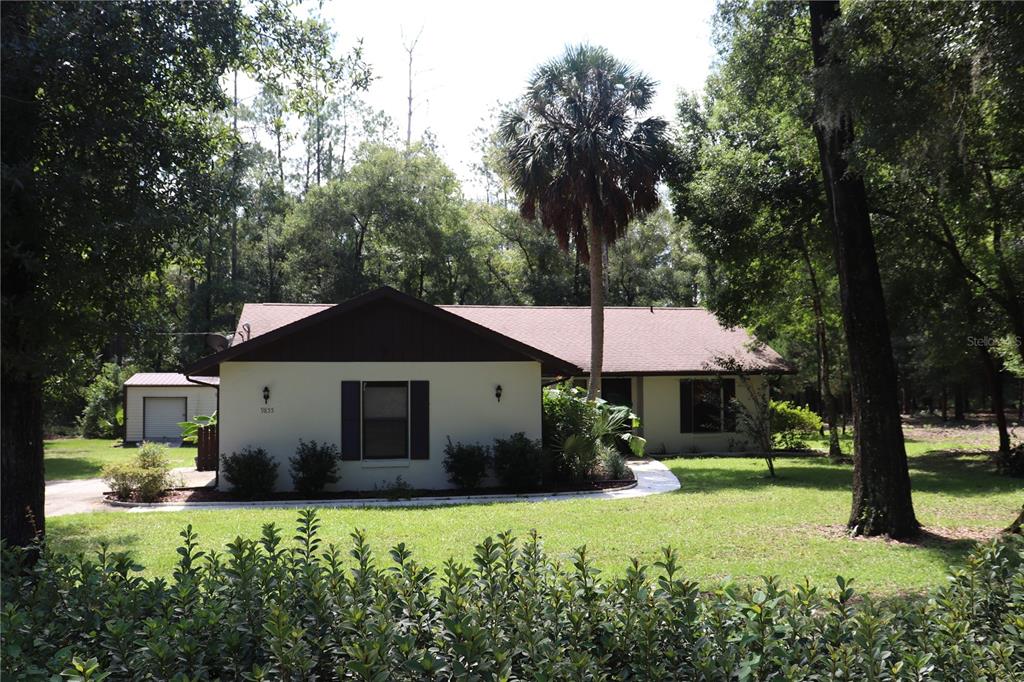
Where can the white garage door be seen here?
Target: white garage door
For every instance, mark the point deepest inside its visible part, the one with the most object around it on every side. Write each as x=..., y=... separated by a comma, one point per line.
x=161, y=417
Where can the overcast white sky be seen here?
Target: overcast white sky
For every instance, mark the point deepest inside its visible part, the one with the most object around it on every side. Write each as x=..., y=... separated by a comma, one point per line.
x=472, y=54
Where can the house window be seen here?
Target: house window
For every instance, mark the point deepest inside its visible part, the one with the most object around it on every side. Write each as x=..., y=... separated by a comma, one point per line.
x=706, y=405
x=617, y=391
x=385, y=420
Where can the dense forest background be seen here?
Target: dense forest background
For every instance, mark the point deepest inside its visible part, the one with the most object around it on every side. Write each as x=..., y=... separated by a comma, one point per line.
x=310, y=195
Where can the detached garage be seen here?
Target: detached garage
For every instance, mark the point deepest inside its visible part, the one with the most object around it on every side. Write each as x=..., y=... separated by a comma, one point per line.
x=154, y=404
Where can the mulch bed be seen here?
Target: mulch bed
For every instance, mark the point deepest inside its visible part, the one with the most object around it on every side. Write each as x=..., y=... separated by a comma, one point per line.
x=207, y=494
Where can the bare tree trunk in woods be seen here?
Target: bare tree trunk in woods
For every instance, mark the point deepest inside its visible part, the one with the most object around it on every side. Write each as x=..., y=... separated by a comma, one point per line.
x=824, y=365
x=1020, y=401
x=410, y=48
x=882, y=501
x=319, y=146
x=596, y=247
x=280, y=158
x=235, y=170
x=959, y=403
x=945, y=403
x=995, y=381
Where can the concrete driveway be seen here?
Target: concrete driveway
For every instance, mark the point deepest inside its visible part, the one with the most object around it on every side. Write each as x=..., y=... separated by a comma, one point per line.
x=83, y=495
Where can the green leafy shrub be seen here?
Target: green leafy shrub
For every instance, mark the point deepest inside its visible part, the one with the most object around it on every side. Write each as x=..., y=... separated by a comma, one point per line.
x=122, y=478
x=576, y=429
x=314, y=466
x=790, y=424
x=252, y=472
x=264, y=608
x=190, y=429
x=520, y=463
x=613, y=464
x=144, y=479
x=103, y=414
x=466, y=465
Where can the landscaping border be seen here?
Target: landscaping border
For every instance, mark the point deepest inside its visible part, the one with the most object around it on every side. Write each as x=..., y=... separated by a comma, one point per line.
x=425, y=500
x=651, y=478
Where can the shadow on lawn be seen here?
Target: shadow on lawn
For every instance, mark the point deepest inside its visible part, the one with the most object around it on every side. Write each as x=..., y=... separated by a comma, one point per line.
x=60, y=468
x=940, y=471
x=73, y=544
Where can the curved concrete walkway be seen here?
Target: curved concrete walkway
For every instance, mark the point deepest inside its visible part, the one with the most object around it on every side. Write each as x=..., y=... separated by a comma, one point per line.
x=652, y=478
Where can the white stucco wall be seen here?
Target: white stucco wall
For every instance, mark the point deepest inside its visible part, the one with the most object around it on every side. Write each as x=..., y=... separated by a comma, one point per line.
x=305, y=402
x=660, y=417
x=200, y=400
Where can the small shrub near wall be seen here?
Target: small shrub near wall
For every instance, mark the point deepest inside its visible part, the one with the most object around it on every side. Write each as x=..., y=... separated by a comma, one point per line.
x=252, y=472
x=272, y=609
x=520, y=463
x=466, y=465
x=791, y=423
x=314, y=466
x=143, y=479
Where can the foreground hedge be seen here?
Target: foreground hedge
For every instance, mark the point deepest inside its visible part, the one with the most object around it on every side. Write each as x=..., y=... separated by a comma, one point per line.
x=262, y=609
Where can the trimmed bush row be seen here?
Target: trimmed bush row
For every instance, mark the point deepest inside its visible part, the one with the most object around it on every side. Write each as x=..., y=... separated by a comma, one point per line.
x=262, y=609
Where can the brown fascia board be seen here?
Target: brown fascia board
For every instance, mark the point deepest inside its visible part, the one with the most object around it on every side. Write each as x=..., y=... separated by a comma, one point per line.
x=202, y=365
x=694, y=372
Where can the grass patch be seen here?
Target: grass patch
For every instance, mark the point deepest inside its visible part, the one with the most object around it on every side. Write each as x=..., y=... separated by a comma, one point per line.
x=68, y=458
x=727, y=520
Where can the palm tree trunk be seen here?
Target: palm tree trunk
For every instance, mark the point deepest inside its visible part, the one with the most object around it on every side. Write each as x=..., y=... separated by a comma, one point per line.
x=596, y=245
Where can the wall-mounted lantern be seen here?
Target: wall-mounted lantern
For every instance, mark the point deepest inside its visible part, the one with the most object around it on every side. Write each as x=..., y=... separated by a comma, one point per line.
x=266, y=395
x=497, y=392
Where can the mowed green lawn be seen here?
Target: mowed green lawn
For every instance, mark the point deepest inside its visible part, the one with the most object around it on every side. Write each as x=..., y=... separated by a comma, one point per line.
x=727, y=520
x=67, y=458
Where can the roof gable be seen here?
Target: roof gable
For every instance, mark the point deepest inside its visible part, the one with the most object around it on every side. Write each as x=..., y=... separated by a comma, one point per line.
x=383, y=325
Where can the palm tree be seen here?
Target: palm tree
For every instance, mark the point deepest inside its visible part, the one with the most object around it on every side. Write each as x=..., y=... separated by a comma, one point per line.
x=582, y=160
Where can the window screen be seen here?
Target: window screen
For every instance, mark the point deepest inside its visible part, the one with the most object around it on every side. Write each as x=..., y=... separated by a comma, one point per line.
x=385, y=420
x=707, y=406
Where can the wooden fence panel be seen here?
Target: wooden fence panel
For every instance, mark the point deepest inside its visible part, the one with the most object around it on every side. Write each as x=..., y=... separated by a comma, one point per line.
x=207, y=456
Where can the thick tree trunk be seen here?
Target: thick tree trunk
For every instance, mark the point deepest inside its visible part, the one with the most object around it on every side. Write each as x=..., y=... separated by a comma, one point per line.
x=995, y=381
x=881, y=482
x=23, y=332
x=959, y=403
x=596, y=245
x=21, y=455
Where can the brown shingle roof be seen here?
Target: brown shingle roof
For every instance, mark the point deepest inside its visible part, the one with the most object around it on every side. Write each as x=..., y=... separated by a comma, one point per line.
x=637, y=340
x=264, y=317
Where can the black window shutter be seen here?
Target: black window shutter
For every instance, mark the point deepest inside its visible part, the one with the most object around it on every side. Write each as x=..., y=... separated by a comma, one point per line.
x=686, y=406
x=419, y=420
x=351, y=420
x=728, y=395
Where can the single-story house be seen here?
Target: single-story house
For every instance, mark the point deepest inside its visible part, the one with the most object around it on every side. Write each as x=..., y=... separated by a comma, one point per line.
x=389, y=379
x=155, y=403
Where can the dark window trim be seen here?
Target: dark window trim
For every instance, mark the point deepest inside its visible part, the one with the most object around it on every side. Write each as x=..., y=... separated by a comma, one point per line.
x=363, y=420
x=727, y=414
